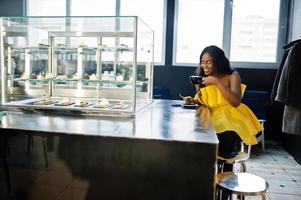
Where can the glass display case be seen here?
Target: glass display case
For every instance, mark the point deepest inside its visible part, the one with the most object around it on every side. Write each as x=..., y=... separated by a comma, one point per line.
x=89, y=65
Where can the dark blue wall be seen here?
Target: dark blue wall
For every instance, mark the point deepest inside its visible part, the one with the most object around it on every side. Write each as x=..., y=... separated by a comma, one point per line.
x=12, y=7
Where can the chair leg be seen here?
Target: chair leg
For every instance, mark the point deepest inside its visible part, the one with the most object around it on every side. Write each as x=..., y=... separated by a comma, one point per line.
x=220, y=167
x=44, y=139
x=262, y=138
x=263, y=141
x=218, y=193
x=243, y=167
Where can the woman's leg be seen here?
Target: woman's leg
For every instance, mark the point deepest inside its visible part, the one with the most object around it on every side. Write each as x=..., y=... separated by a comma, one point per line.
x=229, y=146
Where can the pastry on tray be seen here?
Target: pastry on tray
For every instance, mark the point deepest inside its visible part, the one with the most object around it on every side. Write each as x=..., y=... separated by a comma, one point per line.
x=93, y=77
x=81, y=103
x=119, y=77
x=49, y=76
x=82, y=45
x=64, y=102
x=103, y=103
x=77, y=76
x=46, y=101
x=24, y=76
x=40, y=77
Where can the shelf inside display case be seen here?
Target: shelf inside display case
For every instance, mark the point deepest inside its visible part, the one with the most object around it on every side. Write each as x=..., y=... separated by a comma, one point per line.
x=74, y=50
x=87, y=60
x=60, y=80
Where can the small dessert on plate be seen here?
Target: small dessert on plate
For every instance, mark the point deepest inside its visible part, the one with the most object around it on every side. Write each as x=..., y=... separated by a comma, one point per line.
x=49, y=76
x=76, y=76
x=40, y=77
x=82, y=45
x=46, y=101
x=103, y=103
x=93, y=77
x=81, y=103
x=24, y=76
x=119, y=77
x=64, y=102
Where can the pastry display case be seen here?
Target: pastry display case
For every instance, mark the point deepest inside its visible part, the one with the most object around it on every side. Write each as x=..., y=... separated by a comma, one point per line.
x=85, y=65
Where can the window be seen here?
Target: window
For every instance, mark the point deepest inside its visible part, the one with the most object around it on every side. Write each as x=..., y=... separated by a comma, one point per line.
x=46, y=8
x=199, y=24
x=247, y=30
x=93, y=8
x=152, y=13
x=254, y=30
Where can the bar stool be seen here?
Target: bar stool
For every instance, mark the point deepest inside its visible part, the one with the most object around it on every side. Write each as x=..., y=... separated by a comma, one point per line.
x=241, y=184
x=238, y=159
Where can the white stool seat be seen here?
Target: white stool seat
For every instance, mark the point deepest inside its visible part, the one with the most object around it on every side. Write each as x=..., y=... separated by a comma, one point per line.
x=243, y=184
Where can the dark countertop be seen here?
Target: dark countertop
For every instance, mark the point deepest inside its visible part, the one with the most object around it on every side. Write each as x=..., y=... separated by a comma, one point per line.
x=160, y=121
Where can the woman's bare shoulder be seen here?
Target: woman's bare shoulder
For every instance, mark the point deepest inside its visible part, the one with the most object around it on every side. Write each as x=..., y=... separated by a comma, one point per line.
x=235, y=73
x=234, y=76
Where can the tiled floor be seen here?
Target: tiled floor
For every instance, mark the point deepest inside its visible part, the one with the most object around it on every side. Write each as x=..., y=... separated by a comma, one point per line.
x=280, y=170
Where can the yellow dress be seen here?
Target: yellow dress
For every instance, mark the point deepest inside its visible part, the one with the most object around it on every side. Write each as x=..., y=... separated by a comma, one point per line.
x=225, y=117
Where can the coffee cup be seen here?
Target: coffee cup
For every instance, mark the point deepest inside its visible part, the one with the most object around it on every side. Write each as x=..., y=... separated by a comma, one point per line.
x=196, y=80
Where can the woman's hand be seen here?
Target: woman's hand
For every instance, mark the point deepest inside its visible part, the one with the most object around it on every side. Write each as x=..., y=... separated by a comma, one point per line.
x=210, y=80
x=189, y=100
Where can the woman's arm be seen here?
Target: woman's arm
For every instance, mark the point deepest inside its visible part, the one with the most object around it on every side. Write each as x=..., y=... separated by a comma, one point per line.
x=232, y=95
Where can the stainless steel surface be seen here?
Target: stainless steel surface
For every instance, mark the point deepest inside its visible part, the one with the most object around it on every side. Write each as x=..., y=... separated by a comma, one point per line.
x=159, y=121
x=242, y=183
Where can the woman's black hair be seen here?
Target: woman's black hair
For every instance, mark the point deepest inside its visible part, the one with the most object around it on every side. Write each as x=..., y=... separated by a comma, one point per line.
x=220, y=61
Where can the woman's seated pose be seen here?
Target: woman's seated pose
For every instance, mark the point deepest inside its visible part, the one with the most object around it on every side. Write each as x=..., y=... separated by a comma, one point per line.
x=221, y=92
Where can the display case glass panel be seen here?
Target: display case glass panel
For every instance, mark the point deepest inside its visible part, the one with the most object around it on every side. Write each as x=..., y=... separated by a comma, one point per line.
x=94, y=65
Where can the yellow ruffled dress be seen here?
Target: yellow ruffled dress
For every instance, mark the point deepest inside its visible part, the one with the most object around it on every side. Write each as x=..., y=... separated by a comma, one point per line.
x=225, y=117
